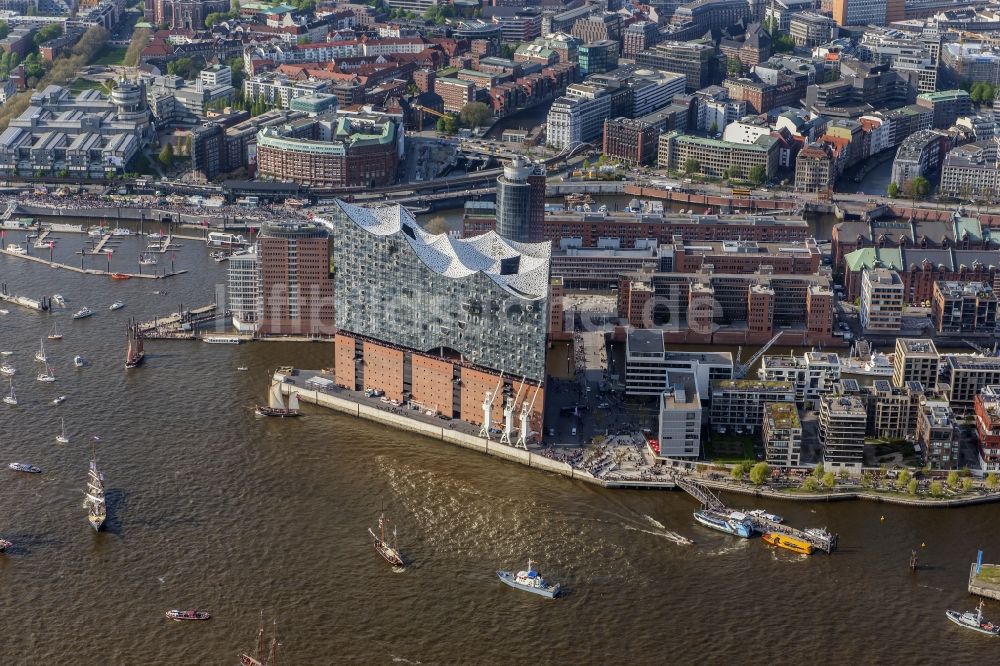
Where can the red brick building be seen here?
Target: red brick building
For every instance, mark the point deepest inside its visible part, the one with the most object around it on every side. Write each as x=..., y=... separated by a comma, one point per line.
x=296, y=289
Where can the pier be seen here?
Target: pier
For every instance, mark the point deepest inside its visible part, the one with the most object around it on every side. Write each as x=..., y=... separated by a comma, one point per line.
x=987, y=582
x=91, y=271
x=40, y=305
x=820, y=539
x=100, y=245
x=180, y=324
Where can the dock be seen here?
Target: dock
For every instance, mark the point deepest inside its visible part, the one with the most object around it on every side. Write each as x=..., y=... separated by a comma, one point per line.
x=40, y=305
x=91, y=271
x=819, y=538
x=100, y=245
x=987, y=582
x=180, y=324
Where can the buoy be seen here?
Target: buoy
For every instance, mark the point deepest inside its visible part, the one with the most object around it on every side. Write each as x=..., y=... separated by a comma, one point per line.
x=883, y=519
x=923, y=545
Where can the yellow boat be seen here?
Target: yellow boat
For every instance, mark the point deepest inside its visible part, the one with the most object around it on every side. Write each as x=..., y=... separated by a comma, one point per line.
x=791, y=543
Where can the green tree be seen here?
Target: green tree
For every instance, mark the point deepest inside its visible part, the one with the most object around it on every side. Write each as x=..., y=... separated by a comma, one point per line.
x=737, y=472
x=782, y=43
x=911, y=487
x=691, y=165
x=965, y=471
x=4, y=29
x=215, y=17
x=829, y=480
x=47, y=32
x=447, y=125
x=810, y=484
x=992, y=481
x=234, y=7
x=734, y=67
x=966, y=483
x=759, y=473
x=166, y=156
x=953, y=481
x=819, y=471
x=892, y=190
x=903, y=479
x=714, y=129
x=918, y=187
x=758, y=174
x=474, y=114
x=140, y=39
x=937, y=489
x=867, y=480
x=507, y=51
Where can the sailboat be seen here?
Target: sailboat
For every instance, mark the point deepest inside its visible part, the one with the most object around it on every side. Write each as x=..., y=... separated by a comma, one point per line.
x=40, y=354
x=46, y=375
x=62, y=438
x=11, y=398
x=276, y=403
x=55, y=334
x=147, y=259
x=258, y=658
x=135, y=354
x=94, y=501
x=389, y=552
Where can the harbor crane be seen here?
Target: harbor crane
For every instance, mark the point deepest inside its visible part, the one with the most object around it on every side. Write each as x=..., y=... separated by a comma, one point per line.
x=488, y=409
x=508, y=415
x=525, y=433
x=740, y=370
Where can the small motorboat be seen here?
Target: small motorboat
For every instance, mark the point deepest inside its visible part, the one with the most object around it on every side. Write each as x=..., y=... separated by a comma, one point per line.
x=79, y=361
x=6, y=353
x=7, y=369
x=46, y=376
x=4, y=312
x=59, y=400
x=529, y=581
x=117, y=305
x=760, y=513
x=16, y=249
x=120, y=276
x=83, y=313
x=4, y=545
x=24, y=467
x=58, y=299
x=974, y=620
x=242, y=368
x=181, y=615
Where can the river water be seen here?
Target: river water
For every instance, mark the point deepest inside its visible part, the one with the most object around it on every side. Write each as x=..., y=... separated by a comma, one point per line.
x=212, y=508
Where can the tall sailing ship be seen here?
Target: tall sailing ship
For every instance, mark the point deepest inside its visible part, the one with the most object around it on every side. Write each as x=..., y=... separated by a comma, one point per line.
x=276, y=403
x=94, y=502
x=135, y=354
x=389, y=552
x=259, y=658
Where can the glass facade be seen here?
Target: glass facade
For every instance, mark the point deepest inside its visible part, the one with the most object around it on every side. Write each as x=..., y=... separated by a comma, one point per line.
x=484, y=298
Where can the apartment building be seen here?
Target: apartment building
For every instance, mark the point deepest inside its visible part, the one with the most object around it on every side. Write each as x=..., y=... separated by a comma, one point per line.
x=714, y=158
x=915, y=360
x=843, y=422
x=815, y=170
x=680, y=417
x=737, y=405
x=936, y=434
x=881, y=301
x=966, y=376
x=987, y=409
x=782, y=434
x=964, y=307
x=812, y=374
x=455, y=93
x=279, y=90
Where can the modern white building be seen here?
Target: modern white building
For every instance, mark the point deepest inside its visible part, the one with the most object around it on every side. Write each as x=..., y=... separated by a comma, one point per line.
x=881, y=300
x=680, y=417
x=578, y=116
x=278, y=89
x=647, y=363
x=216, y=75
x=782, y=434
x=812, y=374
x=738, y=404
x=843, y=422
x=244, y=290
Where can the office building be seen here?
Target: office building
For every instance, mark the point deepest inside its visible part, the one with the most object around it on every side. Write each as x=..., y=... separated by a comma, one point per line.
x=680, y=417
x=964, y=307
x=782, y=434
x=947, y=106
x=966, y=376
x=987, y=408
x=842, y=426
x=738, y=404
x=439, y=320
x=859, y=12
x=647, y=363
x=971, y=171
x=598, y=57
x=713, y=157
x=598, y=27
x=815, y=170
x=520, y=209
x=296, y=290
x=279, y=90
x=455, y=93
x=634, y=141
x=578, y=116
x=243, y=289
x=919, y=156
x=936, y=435
x=698, y=62
x=809, y=29
x=881, y=301
x=216, y=75
x=915, y=360
x=812, y=374
x=968, y=62
x=356, y=150
x=638, y=37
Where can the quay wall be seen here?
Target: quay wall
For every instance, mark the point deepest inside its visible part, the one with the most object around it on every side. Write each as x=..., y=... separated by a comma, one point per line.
x=979, y=589
x=851, y=495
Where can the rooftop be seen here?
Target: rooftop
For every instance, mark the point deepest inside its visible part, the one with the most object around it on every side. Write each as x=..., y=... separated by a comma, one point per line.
x=784, y=415
x=682, y=391
x=645, y=341
x=917, y=346
x=750, y=385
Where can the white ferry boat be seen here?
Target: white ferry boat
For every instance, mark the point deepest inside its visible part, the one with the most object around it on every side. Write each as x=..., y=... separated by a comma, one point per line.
x=222, y=239
x=222, y=339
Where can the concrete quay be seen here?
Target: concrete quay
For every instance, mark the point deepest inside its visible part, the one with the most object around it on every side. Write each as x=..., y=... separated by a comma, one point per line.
x=979, y=586
x=90, y=271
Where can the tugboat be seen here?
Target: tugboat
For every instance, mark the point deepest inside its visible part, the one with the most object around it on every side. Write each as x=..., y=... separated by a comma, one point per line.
x=529, y=581
x=83, y=313
x=181, y=615
x=728, y=523
x=94, y=500
x=974, y=620
x=135, y=353
x=276, y=404
x=390, y=553
x=791, y=543
x=24, y=467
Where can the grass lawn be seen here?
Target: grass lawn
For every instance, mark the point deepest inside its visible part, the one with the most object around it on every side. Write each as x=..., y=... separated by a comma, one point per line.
x=80, y=85
x=990, y=575
x=109, y=56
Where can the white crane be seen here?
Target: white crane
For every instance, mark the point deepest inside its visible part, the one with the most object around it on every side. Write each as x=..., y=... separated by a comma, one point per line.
x=508, y=414
x=488, y=409
x=526, y=410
